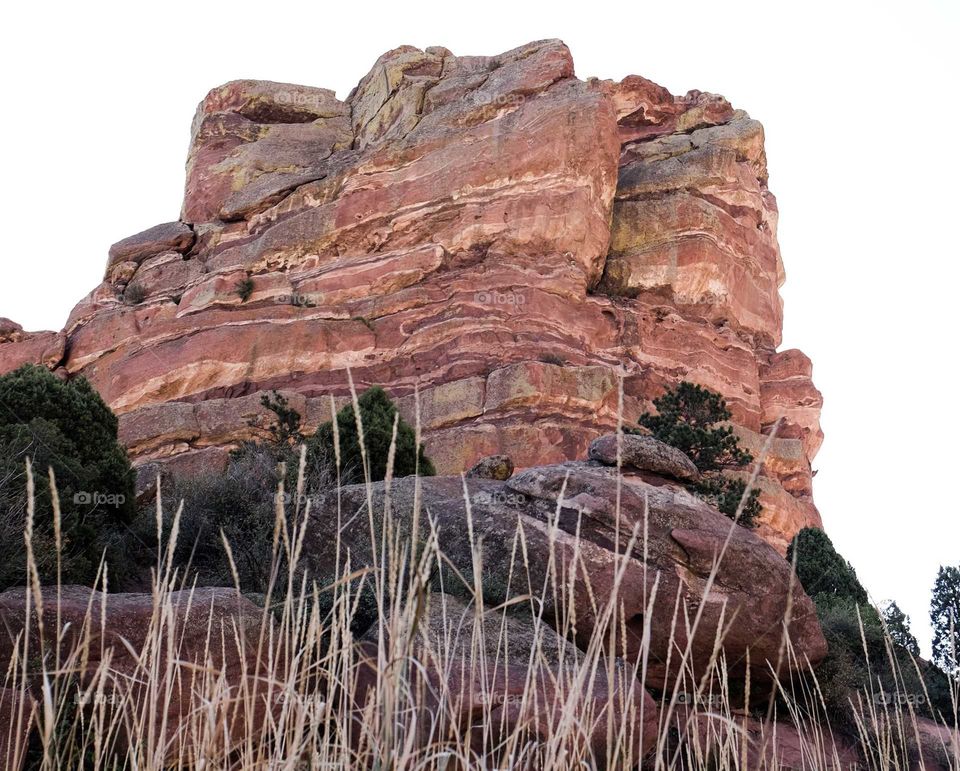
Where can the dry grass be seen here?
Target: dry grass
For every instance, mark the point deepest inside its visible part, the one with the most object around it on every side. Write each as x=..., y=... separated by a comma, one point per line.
x=297, y=691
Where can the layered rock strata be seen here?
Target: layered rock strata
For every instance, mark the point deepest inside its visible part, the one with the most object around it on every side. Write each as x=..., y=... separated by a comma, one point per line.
x=504, y=240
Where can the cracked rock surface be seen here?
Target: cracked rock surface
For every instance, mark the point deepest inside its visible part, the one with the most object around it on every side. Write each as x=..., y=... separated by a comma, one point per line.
x=505, y=237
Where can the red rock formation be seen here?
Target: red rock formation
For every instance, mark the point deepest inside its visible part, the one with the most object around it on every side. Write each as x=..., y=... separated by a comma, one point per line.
x=527, y=683
x=18, y=347
x=762, y=744
x=492, y=231
x=742, y=608
x=210, y=632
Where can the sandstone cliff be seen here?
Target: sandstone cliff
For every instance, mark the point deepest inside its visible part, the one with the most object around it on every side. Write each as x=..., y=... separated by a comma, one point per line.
x=492, y=232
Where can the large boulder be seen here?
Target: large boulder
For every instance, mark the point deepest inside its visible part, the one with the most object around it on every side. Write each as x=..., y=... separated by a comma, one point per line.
x=253, y=141
x=10, y=331
x=643, y=453
x=573, y=528
x=17, y=348
x=498, y=467
x=498, y=673
x=159, y=657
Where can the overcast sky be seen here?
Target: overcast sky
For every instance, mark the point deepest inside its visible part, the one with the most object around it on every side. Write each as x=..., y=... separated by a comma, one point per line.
x=859, y=102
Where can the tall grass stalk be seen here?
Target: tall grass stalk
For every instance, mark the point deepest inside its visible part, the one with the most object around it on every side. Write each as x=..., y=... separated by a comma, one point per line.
x=297, y=690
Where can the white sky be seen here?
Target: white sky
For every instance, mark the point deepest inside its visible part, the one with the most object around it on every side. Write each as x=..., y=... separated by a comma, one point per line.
x=859, y=102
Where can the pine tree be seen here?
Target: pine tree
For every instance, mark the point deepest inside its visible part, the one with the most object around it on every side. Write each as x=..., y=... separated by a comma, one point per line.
x=898, y=627
x=63, y=425
x=726, y=494
x=821, y=570
x=285, y=430
x=945, y=619
x=377, y=413
x=688, y=418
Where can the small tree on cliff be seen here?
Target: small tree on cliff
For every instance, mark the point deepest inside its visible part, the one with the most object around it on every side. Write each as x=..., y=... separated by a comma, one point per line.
x=285, y=431
x=945, y=618
x=67, y=427
x=687, y=418
x=239, y=505
x=690, y=418
x=377, y=413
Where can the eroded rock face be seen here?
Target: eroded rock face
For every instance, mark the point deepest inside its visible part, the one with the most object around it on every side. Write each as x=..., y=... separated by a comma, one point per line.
x=10, y=331
x=749, y=597
x=169, y=237
x=490, y=231
x=18, y=347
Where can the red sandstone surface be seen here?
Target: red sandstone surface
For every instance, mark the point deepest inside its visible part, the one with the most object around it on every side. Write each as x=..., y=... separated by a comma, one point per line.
x=491, y=232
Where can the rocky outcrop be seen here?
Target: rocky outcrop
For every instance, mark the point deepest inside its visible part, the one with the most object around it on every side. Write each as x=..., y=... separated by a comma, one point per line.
x=198, y=637
x=498, y=467
x=643, y=453
x=748, y=599
x=10, y=331
x=18, y=347
x=492, y=232
x=161, y=239
x=519, y=674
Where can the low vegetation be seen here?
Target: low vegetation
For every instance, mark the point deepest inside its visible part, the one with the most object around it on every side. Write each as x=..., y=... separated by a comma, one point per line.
x=134, y=294
x=691, y=418
x=245, y=288
x=383, y=429
x=63, y=427
x=305, y=715
x=310, y=699
x=233, y=514
x=873, y=656
x=226, y=526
